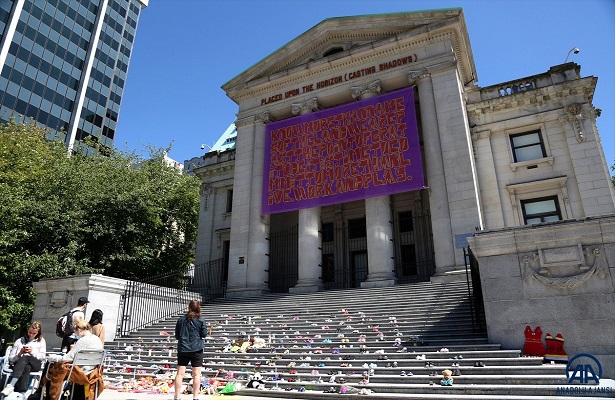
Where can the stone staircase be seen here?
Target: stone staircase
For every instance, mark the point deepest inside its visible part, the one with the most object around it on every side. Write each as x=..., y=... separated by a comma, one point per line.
x=390, y=341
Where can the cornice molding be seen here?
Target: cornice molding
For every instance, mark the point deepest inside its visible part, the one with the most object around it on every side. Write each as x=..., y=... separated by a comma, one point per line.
x=276, y=82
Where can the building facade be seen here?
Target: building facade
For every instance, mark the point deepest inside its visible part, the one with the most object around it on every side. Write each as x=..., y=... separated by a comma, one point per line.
x=63, y=64
x=522, y=152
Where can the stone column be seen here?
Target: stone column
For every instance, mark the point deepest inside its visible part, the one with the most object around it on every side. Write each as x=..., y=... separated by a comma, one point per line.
x=436, y=180
x=258, y=246
x=240, y=229
x=310, y=240
x=590, y=166
x=380, y=250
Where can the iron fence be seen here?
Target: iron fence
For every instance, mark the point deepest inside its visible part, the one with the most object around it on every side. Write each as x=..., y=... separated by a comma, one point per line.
x=152, y=300
x=283, y=260
x=414, y=252
x=475, y=291
x=165, y=295
x=344, y=262
x=210, y=279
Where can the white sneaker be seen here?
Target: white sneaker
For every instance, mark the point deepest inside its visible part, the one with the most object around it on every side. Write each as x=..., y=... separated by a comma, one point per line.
x=8, y=389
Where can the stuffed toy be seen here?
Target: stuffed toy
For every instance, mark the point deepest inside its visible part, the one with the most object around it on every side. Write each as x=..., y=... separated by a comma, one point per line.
x=210, y=387
x=447, y=378
x=256, y=381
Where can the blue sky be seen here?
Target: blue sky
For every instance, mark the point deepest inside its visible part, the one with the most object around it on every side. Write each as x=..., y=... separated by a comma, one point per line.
x=185, y=50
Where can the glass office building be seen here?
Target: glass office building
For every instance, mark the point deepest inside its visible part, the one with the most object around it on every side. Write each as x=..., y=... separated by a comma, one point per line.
x=64, y=63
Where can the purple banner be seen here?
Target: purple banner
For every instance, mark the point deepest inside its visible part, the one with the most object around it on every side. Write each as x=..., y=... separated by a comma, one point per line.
x=358, y=150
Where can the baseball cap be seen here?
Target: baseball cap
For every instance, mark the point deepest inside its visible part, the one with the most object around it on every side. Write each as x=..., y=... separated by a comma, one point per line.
x=82, y=301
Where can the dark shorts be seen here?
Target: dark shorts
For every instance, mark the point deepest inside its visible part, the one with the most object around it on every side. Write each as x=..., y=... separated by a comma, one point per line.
x=195, y=358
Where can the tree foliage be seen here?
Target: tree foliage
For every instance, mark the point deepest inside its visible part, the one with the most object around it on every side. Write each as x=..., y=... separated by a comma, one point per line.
x=115, y=214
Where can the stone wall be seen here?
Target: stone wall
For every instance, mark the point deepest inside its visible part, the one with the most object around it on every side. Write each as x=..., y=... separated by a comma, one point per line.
x=56, y=296
x=145, y=303
x=559, y=276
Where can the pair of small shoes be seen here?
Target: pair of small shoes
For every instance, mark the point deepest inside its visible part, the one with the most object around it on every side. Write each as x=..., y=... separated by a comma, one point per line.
x=456, y=372
x=460, y=357
x=403, y=373
x=479, y=364
x=429, y=364
x=8, y=389
x=455, y=364
x=433, y=373
x=421, y=357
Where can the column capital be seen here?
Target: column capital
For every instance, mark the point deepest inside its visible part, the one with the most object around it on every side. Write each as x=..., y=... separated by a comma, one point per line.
x=359, y=91
x=305, y=107
x=262, y=118
x=417, y=76
x=245, y=121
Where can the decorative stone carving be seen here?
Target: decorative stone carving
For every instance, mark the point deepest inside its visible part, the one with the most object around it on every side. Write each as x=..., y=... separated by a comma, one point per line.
x=262, y=118
x=359, y=91
x=563, y=267
x=416, y=76
x=300, y=108
x=575, y=114
x=205, y=191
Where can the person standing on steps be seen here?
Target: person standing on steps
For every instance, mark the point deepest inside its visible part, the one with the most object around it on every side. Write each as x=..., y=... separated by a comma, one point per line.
x=77, y=313
x=189, y=332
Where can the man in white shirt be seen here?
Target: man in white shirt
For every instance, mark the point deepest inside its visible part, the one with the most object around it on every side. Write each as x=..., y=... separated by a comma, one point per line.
x=78, y=313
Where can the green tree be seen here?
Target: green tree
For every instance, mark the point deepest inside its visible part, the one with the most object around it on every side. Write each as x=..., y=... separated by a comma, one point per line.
x=116, y=214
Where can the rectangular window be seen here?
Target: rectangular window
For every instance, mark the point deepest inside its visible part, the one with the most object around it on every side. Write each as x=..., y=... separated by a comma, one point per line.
x=527, y=146
x=229, y=200
x=545, y=209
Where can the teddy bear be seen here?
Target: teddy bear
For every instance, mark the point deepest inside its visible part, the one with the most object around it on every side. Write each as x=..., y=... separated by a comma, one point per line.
x=256, y=381
x=447, y=378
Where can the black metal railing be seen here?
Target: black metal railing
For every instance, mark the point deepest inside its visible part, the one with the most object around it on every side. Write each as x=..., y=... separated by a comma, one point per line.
x=154, y=299
x=146, y=302
x=344, y=262
x=475, y=291
x=283, y=260
x=414, y=252
x=210, y=279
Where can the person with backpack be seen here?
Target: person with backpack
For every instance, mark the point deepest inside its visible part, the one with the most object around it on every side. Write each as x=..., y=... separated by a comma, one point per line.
x=26, y=355
x=189, y=332
x=66, y=322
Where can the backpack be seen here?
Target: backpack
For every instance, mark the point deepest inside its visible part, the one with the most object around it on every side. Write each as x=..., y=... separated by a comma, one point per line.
x=64, y=326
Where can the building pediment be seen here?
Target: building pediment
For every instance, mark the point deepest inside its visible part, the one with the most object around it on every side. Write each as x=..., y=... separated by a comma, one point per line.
x=338, y=38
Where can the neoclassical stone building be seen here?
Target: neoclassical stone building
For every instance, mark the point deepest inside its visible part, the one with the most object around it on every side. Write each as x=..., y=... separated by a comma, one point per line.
x=520, y=153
